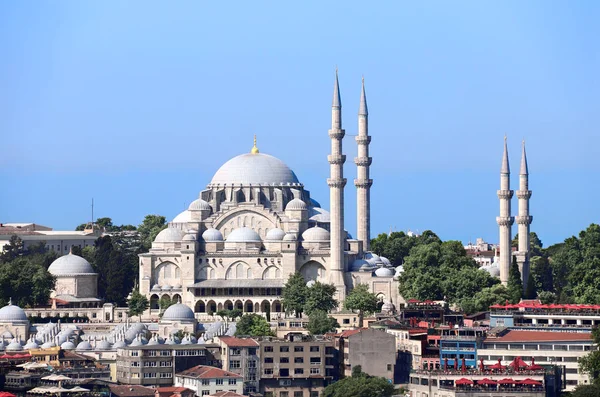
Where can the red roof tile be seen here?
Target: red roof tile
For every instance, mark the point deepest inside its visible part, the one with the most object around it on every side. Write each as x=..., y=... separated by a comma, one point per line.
x=172, y=389
x=541, y=336
x=238, y=342
x=225, y=394
x=131, y=391
x=207, y=372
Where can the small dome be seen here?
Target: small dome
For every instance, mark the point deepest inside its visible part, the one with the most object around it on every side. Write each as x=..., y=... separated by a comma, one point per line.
x=119, y=344
x=12, y=313
x=399, y=271
x=137, y=342
x=31, y=344
x=189, y=237
x=166, y=288
x=169, y=235
x=493, y=270
x=68, y=346
x=183, y=217
x=84, y=346
x=373, y=259
x=243, y=235
x=319, y=215
x=315, y=234
x=171, y=341
x=384, y=272
x=290, y=237
x=7, y=334
x=254, y=169
x=385, y=261
x=296, y=205
x=361, y=265
x=104, y=345
x=70, y=264
x=199, y=205
x=387, y=307
x=155, y=287
x=48, y=345
x=178, y=312
x=275, y=234
x=14, y=346
x=212, y=235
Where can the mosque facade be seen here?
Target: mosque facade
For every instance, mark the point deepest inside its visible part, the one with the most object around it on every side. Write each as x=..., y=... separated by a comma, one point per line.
x=255, y=224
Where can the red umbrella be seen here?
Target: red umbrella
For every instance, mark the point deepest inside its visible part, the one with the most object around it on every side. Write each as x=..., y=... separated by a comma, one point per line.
x=530, y=382
x=463, y=381
x=518, y=363
x=486, y=381
x=498, y=365
x=481, y=365
x=6, y=394
x=506, y=381
x=534, y=366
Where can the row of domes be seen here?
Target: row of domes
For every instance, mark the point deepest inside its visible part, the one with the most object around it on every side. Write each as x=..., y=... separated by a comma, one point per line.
x=241, y=235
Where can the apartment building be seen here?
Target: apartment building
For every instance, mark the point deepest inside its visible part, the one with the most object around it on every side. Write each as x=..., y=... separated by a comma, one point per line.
x=205, y=380
x=240, y=356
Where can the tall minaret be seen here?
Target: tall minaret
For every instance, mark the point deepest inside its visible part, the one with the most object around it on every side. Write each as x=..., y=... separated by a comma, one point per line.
x=524, y=219
x=505, y=221
x=336, y=184
x=362, y=181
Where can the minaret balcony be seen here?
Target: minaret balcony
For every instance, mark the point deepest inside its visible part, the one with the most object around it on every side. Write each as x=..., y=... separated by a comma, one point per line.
x=505, y=194
x=337, y=133
x=523, y=194
x=363, y=161
x=336, y=158
x=505, y=220
x=363, y=183
x=363, y=139
x=336, y=182
x=524, y=220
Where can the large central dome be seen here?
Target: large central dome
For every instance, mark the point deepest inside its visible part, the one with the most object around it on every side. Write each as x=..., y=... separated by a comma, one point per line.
x=254, y=169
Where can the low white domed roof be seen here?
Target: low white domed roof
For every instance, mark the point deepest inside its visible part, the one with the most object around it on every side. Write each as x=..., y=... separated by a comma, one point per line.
x=190, y=236
x=104, y=345
x=48, y=345
x=178, y=312
x=275, y=234
x=70, y=264
x=373, y=259
x=399, y=271
x=199, y=205
x=290, y=237
x=296, y=205
x=384, y=272
x=12, y=313
x=243, y=235
x=31, y=344
x=387, y=307
x=182, y=217
x=319, y=215
x=310, y=283
x=212, y=235
x=84, y=346
x=254, y=169
x=14, y=346
x=361, y=264
x=385, y=261
x=169, y=235
x=68, y=346
x=315, y=234
x=119, y=344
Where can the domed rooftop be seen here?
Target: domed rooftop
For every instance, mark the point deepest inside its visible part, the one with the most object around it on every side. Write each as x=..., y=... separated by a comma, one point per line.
x=373, y=259
x=14, y=346
x=32, y=344
x=11, y=313
x=290, y=237
x=296, y=205
x=493, y=270
x=48, y=345
x=319, y=215
x=361, y=264
x=199, y=205
x=254, y=169
x=68, y=346
x=315, y=234
x=119, y=344
x=170, y=234
x=103, y=345
x=387, y=307
x=275, y=234
x=243, y=235
x=70, y=264
x=384, y=272
x=84, y=346
x=178, y=312
x=212, y=235
x=183, y=217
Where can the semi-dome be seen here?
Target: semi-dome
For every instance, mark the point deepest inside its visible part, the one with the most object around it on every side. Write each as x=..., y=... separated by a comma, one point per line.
x=296, y=205
x=68, y=346
x=190, y=236
x=243, y=235
x=70, y=264
x=254, y=169
x=384, y=272
x=361, y=264
x=275, y=234
x=385, y=261
x=290, y=237
x=169, y=235
x=493, y=270
x=199, y=205
x=183, y=217
x=178, y=312
x=12, y=313
x=212, y=235
x=84, y=346
x=319, y=215
x=315, y=234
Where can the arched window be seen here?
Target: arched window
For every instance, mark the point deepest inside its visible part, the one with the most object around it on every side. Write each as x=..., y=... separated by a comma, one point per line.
x=177, y=272
x=211, y=273
x=239, y=271
x=249, y=274
x=167, y=271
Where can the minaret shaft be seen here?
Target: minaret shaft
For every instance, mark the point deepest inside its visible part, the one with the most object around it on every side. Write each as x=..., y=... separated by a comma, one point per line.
x=505, y=220
x=524, y=220
x=363, y=182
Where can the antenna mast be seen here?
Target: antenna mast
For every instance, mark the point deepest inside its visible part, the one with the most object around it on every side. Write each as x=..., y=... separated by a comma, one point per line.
x=92, y=212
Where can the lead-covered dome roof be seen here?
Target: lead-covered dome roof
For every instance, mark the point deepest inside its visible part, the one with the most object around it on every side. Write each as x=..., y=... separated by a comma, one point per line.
x=254, y=169
x=12, y=313
x=178, y=312
x=70, y=264
x=315, y=234
x=243, y=235
x=169, y=235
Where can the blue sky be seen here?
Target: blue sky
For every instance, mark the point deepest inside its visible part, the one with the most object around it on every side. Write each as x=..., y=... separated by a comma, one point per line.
x=138, y=103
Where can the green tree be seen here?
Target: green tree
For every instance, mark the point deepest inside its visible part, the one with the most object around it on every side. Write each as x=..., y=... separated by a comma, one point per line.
x=362, y=300
x=482, y=300
x=253, y=325
x=542, y=273
x=320, y=297
x=515, y=285
x=150, y=227
x=586, y=391
x=116, y=268
x=530, y=290
x=360, y=384
x=165, y=302
x=137, y=304
x=12, y=250
x=319, y=323
x=590, y=363
x=535, y=244
x=293, y=296
x=546, y=297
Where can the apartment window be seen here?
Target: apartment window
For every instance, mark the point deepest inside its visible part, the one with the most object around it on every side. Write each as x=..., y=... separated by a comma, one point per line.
x=298, y=394
x=298, y=360
x=314, y=394
x=166, y=375
x=165, y=353
x=205, y=382
x=298, y=349
x=389, y=367
x=315, y=371
x=268, y=371
x=346, y=321
x=284, y=360
x=134, y=353
x=150, y=375
x=205, y=392
x=284, y=349
x=252, y=351
x=135, y=363
x=298, y=371
x=152, y=353
x=150, y=364
x=284, y=372
x=268, y=360
x=268, y=349
x=232, y=381
x=314, y=349
x=235, y=364
x=251, y=364
x=284, y=394
x=219, y=382
x=315, y=360
x=235, y=352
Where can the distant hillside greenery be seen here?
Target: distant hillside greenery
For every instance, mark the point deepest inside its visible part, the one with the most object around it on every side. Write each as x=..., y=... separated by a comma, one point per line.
x=567, y=272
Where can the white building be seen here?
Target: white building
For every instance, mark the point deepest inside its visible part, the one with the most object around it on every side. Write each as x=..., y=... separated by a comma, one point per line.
x=205, y=380
x=58, y=241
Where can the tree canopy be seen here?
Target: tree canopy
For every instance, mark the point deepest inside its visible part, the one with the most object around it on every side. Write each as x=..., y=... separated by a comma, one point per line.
x=360, y=384
x=320, y=323
x=137, y=304
x=150, y=227
x=294, y=294
x=362, y=300
x=514, y=285
x=253, y=325
x=590, y=363
x=320, y=297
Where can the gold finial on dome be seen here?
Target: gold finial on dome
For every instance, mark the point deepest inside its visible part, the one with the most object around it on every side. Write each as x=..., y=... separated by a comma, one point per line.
x=254, y=148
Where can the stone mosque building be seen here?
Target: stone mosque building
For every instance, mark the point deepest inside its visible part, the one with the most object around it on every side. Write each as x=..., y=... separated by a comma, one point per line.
x=255, y=224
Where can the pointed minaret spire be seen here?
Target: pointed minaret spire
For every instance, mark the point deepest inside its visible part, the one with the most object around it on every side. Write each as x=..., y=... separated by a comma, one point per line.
x=337, y=99
x=505, y=169
x=524, y=168
x=363, y=109
x=363, y=182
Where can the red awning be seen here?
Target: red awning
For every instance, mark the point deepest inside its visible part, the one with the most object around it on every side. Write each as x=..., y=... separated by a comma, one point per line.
x=463, y=381
x=6, y=394
x=413, y=301
x=486, y=381
x=497, y=366
x=507, y=381
x=530, y=382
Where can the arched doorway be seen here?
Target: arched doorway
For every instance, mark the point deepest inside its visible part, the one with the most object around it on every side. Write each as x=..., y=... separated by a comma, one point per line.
x=211, y=307
x=154, y=302
x=176, y=299
x=239, y=305
x=249, y=307
x=200, y=307
x=228, y=305
x=277, y=307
